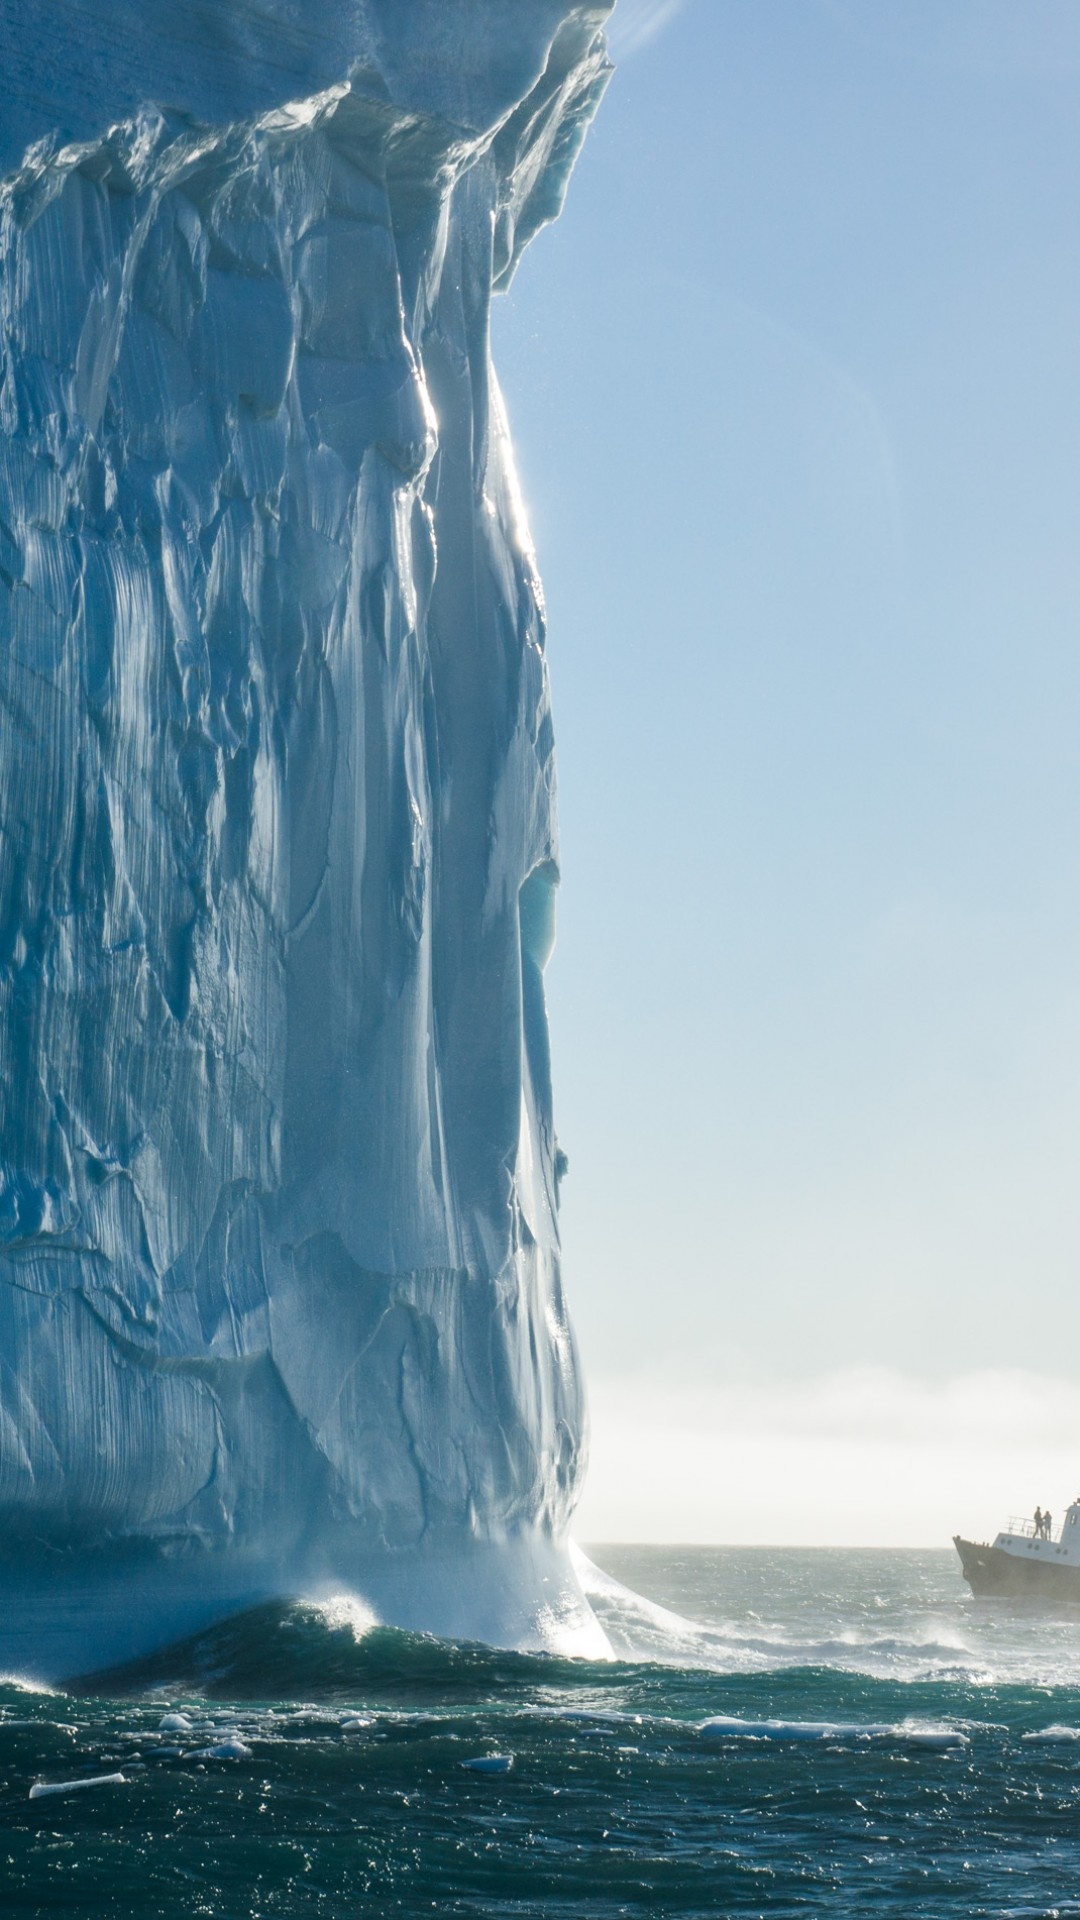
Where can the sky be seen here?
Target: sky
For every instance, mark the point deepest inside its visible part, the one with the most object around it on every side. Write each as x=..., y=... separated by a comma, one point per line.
x=795, y=389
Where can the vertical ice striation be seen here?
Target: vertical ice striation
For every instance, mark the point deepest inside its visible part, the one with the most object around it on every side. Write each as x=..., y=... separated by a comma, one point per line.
x=280, y=1303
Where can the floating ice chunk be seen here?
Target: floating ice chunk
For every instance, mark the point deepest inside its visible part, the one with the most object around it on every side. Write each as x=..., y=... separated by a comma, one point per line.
x=934, y=1739
x=1051, y=1737
x=175, y=1723
x=232, y=1749
x=606, y=1717
x=357, y=1722
x=728, y=1727
x=42, y=1787
x=489, y=1763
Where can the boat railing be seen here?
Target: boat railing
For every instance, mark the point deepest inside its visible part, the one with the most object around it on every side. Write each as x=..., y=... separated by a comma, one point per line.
x=1025, y=1528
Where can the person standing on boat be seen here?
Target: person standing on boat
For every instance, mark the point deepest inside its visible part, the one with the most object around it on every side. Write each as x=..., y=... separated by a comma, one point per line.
x=1048, y=1527
x=1038, y=1523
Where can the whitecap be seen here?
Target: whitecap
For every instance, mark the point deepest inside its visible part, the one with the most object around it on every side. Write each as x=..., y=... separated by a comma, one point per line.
x=24, y=1683
x=345, y=1610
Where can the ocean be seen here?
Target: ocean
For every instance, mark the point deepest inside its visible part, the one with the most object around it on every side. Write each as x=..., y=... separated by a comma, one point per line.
x=784, y=1732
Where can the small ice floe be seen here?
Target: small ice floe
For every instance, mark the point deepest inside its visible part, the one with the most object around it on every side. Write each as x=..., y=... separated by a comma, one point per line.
x=837, y=1733
x=231, y=1749
x=175, y=1723
x=356, y=1722
x=1052, y=1737
x=42, y=1787
x=728, y=1727
x=930, y=1739
x=489, y=1763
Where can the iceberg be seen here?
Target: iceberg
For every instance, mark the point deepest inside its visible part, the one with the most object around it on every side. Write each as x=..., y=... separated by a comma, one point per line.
x=280, y=1300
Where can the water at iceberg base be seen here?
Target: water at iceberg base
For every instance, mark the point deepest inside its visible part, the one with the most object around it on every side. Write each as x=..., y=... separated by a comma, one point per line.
x=280, y=1301
x=840, y=1733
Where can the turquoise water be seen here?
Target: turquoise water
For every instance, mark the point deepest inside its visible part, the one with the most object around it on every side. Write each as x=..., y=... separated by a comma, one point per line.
x=879, y=1744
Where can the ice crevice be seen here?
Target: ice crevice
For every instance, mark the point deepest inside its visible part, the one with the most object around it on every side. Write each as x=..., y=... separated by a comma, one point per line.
x=280, y=1294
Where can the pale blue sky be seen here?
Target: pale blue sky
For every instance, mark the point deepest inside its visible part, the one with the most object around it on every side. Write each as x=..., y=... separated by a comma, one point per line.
x=795, y=386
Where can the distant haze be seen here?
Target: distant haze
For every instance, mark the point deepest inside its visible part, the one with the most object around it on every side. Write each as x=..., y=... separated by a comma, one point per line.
x=863, y=1459
x=795, y=386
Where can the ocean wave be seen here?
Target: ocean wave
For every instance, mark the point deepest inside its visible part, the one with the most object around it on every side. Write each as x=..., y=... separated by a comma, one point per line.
x=300, y=1650
x=288, y=1649
x=23, y=1683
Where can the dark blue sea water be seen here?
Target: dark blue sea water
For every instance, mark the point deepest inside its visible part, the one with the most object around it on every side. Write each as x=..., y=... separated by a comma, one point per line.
x=844, y=1733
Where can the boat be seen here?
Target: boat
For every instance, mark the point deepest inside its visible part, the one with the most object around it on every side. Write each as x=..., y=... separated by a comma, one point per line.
x=1026, y=1560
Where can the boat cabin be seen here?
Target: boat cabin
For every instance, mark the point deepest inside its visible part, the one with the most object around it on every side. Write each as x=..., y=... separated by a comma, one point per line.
x=1021, y=1540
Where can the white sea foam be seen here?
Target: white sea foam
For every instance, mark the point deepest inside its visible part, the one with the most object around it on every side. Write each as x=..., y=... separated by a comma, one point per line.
x=639, y=1629
x=346, y=1610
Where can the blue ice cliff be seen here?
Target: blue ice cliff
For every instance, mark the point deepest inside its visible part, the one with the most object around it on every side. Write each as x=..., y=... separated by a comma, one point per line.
x=280, y=1301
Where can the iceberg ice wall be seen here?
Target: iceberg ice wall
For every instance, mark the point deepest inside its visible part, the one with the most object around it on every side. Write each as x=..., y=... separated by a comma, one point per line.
x=280, y=1302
